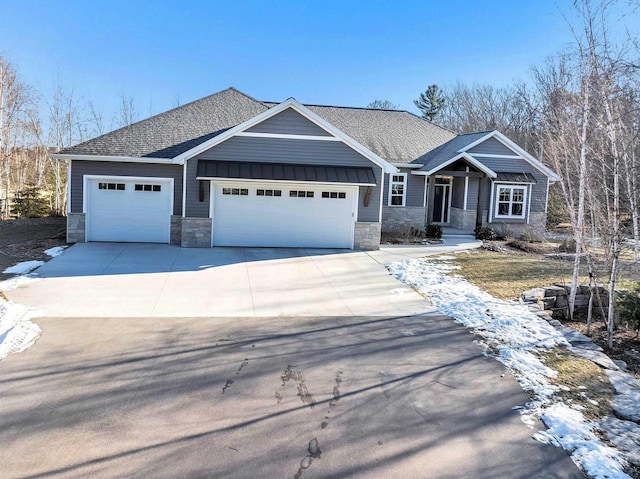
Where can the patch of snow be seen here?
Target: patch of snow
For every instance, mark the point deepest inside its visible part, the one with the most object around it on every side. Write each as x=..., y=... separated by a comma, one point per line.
x=16, y=282
x=17, y=332
x=518, y=335
x=56, y=251
x=625, y=435
x=626, y=402
x=569, y=429
x=24, y=267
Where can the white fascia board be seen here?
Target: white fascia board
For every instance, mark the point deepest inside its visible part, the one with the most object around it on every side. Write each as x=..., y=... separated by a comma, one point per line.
x=297, y=182
x=304, y=111
x=462, y=156
x=119, y=159
x=553, y=176
x=407, y=165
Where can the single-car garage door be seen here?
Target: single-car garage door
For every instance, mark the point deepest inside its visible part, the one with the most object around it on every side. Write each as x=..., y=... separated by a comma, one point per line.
x=282, y=214
x=128, y=209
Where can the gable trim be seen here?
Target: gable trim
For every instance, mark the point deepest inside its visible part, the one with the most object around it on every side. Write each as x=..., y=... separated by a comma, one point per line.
x=304, y=111
x=117, y=159
x=287, y=136
x=514, y=147
x=462, y=156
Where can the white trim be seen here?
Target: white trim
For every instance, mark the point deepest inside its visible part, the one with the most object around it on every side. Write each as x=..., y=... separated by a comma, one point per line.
x=490, y=214
x=529, y=192
x=464, y=156
x=525, y=201
x=184, y=190
x=546, y=202
x=426, y=189
x=68, y=187
x=490, y=155
x=299, y=108
x=407, y=165
x=404, y=189
x=382, y=178
x=512, y=146
x=87, y=178
x=298, y=182
x=118, y=159
x=287, y=136
x=211, y=205
x=450, y=187
x=466, y=190
x=507, y=182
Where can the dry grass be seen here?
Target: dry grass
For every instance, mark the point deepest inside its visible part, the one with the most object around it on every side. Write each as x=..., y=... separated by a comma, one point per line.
x=507, y=275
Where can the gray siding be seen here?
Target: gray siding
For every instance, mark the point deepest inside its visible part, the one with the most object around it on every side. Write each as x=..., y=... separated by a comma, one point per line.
x=282, y=150
x=372, y=212
x=472, y=194
x=81, y=168
x=491, y=147
x=457, y=194
x=196, y=208
x=415, y=189
x=288, y=122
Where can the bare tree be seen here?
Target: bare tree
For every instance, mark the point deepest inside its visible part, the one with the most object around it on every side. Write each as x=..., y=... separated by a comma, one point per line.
x=127, y=113
x=383, y=105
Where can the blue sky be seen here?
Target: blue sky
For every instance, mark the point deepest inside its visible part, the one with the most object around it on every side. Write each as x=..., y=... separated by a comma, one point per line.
x=323, y=52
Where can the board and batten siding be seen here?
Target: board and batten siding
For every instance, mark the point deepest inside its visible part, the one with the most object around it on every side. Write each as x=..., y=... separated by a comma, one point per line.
x=492, y=146
x=282, y=150
x=79, y=168
x=288, y=122
x=472, y=194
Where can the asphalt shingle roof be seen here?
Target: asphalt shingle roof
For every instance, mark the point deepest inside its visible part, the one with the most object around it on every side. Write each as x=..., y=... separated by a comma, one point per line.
x=396, y=136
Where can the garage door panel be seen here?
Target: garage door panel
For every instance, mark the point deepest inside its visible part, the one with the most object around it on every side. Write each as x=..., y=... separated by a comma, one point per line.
x=253, y=220
x=129, y=214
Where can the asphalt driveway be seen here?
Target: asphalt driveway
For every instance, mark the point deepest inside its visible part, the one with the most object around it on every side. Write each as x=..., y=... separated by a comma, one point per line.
x=366, y=397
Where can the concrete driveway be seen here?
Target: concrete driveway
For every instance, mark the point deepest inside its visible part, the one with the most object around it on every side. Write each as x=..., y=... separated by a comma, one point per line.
x=162, y=362
x=151, y=280
x=338, y=397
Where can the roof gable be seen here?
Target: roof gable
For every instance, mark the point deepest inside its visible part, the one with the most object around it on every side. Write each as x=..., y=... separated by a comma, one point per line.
x=289, y=122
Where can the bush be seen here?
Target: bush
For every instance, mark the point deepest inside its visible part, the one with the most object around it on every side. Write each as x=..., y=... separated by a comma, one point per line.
x=484, y=233
x=531, y=236
x=433, y=231
x=505, y=233
x=628, y=306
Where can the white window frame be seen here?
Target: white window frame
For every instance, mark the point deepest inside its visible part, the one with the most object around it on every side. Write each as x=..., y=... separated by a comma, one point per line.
x=404, y=189
x=511, y=187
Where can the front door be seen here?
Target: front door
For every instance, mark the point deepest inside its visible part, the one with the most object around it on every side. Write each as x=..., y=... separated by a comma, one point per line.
x=441, y=200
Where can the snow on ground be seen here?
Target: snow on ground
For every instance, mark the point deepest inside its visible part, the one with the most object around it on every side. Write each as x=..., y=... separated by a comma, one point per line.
x=57, y=251
x=517, y=336
x=17, y=332
x=24, y=267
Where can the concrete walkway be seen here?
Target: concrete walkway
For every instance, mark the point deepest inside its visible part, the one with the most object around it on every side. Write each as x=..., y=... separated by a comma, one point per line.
x=152, y=280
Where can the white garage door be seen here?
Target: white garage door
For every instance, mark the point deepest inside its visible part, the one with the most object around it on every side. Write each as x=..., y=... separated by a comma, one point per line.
x=128, y=209
x=292, y=215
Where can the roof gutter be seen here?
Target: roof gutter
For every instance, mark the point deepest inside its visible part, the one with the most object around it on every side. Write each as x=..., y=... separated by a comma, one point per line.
x=122, y=159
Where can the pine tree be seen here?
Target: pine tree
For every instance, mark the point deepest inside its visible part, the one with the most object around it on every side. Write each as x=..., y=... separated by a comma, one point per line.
x=430, y=102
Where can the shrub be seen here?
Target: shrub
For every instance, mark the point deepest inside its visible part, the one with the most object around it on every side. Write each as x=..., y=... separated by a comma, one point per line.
x=531, y=236
x=433, y=231
x=484, y=233
x=505, y=233
x=628, y=305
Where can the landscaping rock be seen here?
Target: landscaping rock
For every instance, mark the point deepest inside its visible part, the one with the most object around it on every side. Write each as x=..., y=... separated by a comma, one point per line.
x=561, y=301
x=573, y=336
x=625, y=435
x=621, y=364
x=597, y=357
x=532, y=295
x=549, y=302
x=626, y=402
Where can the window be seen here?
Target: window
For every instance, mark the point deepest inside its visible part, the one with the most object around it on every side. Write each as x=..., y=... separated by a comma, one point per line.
x=235, y=191
x=397, y=189
x=111, y=186
x=301, y=194
x=268, y=192
x=334, y=194
x=140, y=187
x=510, y=201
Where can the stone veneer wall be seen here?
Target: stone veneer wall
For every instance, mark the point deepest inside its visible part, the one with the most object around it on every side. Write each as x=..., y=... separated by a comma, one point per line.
x=196, y=233
x=76, y=223
x=463, y=219
x=537, y=224
x=366, y=236
x=175, y=237
x=397, y=218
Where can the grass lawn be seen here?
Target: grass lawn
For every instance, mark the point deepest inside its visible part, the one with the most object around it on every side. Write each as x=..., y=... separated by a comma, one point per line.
x=506, y=275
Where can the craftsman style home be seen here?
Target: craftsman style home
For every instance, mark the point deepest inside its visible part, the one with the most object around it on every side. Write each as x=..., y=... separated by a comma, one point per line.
x=229, y=170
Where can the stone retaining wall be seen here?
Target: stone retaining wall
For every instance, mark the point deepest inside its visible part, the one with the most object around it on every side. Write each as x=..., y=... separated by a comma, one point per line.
x=555, y=300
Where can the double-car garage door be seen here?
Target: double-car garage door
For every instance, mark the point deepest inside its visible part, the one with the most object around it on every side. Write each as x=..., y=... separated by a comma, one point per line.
x=283, y=214
x=130, y=209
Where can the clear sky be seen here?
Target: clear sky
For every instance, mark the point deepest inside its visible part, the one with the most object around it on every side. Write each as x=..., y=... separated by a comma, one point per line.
x=323, y=52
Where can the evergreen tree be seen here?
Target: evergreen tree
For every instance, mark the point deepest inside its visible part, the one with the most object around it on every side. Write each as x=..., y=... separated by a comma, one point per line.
x=430, y=102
